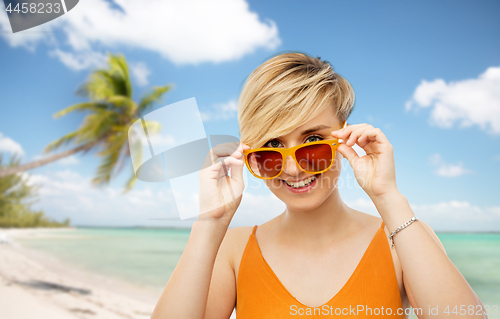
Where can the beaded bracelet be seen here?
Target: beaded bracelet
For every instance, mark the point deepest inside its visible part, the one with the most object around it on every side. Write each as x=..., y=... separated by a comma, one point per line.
x=408, y=223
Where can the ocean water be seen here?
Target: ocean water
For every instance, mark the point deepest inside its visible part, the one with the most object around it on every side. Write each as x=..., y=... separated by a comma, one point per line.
x=143, y=257
x=477, y=256
x=147, y=257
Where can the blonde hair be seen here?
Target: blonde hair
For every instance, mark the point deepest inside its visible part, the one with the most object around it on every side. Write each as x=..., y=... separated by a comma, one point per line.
x=285, y=92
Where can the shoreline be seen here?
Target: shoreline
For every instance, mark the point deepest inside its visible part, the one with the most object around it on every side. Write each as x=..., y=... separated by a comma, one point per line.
x=54, y=289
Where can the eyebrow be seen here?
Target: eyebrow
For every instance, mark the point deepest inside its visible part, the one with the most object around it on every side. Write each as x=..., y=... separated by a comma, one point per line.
x=309, y=130
x=315, y=128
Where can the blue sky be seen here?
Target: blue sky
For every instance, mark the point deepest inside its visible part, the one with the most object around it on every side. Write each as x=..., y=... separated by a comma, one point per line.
x=426, y=72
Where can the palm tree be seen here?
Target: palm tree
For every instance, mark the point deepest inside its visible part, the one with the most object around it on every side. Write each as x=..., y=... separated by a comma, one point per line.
x=17, y=196
x=111, y=112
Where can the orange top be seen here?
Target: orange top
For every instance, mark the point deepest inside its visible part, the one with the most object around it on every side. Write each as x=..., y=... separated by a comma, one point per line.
x=369, y=292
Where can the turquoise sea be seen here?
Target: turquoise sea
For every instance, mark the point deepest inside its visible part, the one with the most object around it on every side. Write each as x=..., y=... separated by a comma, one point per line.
x=147, y=257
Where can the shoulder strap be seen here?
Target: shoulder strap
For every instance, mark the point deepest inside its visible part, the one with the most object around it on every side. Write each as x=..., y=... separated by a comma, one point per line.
x=254, y=228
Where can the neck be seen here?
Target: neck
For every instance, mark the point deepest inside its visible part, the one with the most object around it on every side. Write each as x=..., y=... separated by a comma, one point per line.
x=321, y=225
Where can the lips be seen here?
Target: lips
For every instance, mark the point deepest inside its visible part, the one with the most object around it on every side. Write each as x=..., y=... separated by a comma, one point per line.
x=306, y=189
x=299, y=179
x=313, y=178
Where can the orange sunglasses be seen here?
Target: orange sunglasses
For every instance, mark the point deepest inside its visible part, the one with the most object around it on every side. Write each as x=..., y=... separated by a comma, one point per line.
x=312, y=158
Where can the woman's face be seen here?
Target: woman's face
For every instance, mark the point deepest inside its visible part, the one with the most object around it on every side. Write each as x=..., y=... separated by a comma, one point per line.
x=325, y=182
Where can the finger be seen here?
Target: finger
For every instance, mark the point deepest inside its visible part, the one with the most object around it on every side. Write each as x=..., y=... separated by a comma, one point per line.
x=370, y=135
x=241, y=147
x=224, y=150
x=377, y=142
x=343, y=133
x=217, y=170
x=352, y=138
x=349, y=128
x=348, y=152
x=237, y=172
x=245, y=146
x=347, y=134
x=233, y=165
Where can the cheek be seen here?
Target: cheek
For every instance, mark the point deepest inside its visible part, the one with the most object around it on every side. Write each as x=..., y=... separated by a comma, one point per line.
x=273, y=183
x=337, y=163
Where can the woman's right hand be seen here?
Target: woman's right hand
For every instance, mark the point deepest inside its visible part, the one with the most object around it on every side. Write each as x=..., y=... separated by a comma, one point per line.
x=220, y=194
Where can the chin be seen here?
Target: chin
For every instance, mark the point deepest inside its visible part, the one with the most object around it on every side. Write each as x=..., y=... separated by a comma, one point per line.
x=303, y=205
x=304, y=201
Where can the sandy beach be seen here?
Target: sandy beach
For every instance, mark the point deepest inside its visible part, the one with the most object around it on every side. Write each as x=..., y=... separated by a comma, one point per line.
x=36, y=285
x=33, y=285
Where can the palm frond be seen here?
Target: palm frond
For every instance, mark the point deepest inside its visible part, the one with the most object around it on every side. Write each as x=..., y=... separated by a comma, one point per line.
x=121, y=101
x=66, y=139
x=153, y=127
x=110, y=111
x=98, y=87
x=119, y=128
x=118, y=65
x=105, y=83
x=96, y=125
x=81, y=107
x=130, y=183
x=111, y=156
x=150, y=98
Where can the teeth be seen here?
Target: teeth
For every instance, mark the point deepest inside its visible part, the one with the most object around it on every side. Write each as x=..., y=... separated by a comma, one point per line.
x=301, y=183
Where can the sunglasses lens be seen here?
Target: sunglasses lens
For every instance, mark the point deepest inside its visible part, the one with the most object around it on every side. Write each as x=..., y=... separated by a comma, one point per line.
x=314, y=158
x=265, y=163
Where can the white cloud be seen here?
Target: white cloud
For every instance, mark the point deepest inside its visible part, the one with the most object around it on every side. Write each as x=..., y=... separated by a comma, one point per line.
x=446, y=169
x=457, y=215
x=10, y=146
x=141, y=72
x=66, y=194
x=70, y=160
x=184, y=32
x=30, y=38
x=65, y=161
x=467, y=102
x=80, y=60
x=221, y=111
x=450, y=215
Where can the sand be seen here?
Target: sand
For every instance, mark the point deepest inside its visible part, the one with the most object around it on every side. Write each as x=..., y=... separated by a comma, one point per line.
x=35, y=285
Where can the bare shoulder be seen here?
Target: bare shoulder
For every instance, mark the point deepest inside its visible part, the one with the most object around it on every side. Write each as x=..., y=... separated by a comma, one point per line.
x=366, y=221
x=235, y=234
x=234, y=243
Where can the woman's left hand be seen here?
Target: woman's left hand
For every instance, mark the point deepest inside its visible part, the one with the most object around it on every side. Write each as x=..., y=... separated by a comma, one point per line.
x=375, y=171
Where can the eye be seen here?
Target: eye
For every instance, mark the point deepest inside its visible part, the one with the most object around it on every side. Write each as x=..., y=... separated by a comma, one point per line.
x=272, y=143
x=312, y=137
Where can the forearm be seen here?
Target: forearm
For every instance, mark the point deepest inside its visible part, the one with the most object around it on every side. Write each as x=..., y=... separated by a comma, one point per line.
x=186, y=293
x=432, y=277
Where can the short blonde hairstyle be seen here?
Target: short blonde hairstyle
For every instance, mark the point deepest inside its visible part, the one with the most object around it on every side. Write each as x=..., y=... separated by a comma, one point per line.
x=285, y=92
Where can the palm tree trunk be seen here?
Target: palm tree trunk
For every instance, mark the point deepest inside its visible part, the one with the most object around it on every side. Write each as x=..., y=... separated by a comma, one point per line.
x=21, y=168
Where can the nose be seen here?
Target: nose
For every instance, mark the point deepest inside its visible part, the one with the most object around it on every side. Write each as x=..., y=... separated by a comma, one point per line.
x=291, y=168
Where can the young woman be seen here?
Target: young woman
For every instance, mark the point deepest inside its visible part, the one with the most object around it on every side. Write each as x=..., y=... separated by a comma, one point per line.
x=319, y=257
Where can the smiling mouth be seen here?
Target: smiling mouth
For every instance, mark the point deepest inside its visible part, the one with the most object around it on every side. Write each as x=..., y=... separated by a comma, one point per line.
x=302, y=183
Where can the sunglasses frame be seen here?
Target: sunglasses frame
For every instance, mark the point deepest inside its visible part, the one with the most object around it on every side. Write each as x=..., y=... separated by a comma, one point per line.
x=285, y=152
